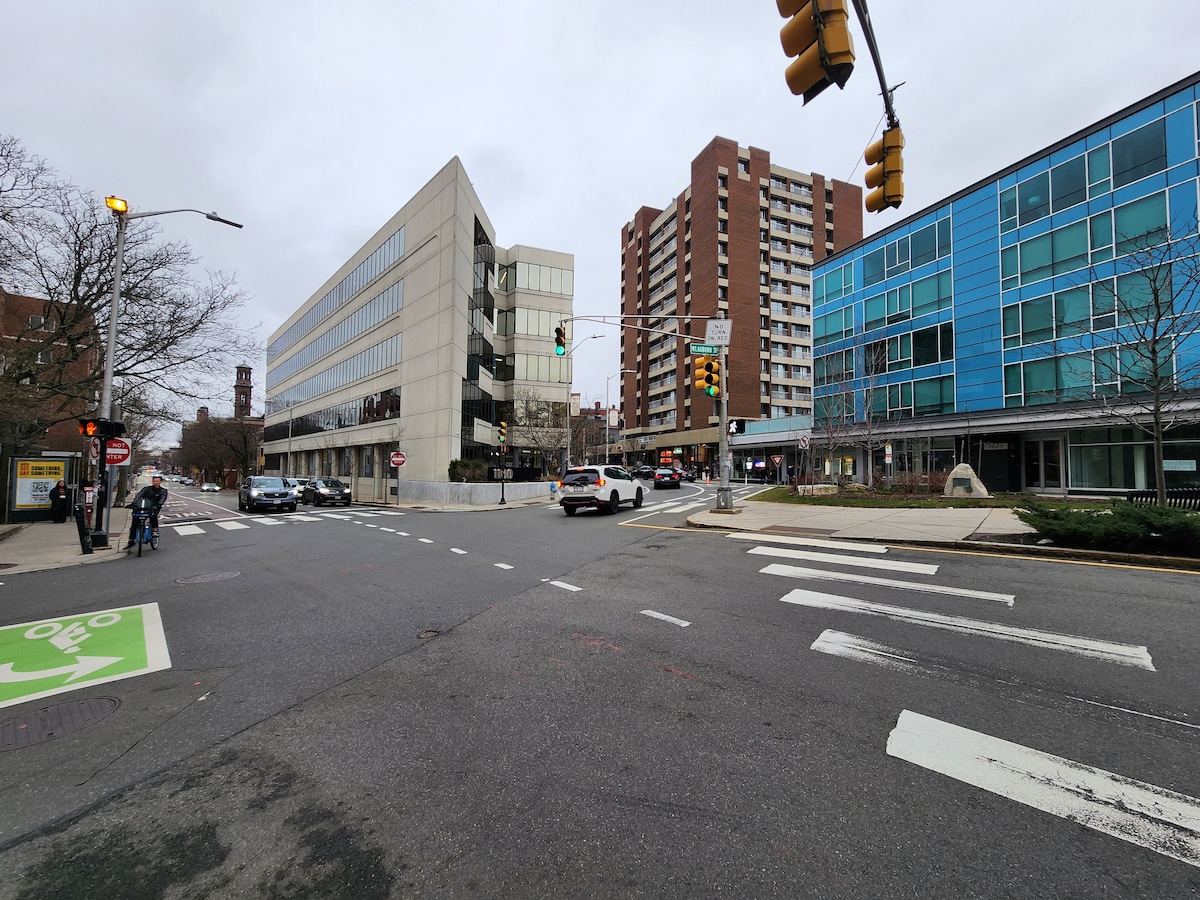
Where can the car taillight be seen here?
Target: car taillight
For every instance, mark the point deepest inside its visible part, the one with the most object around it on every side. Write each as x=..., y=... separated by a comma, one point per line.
x=560, y=485
x=600, y=482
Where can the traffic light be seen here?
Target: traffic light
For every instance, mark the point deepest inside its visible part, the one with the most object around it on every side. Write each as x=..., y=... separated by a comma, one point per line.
x=503, y=432
x=115, y=429
x=560, y=341
x=818, y=35
x=708, y=375
x=91, y=427
x=737, y=426
x=886, y=175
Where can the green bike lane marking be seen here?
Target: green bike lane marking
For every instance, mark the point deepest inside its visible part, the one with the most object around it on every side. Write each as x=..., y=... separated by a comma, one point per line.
x=53, y=656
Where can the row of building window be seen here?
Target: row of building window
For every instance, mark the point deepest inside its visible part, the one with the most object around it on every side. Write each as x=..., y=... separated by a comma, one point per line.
x=533, y=367
x=1103, y=169
x=366, y=272
x=1137, y=226
x=524, y=276
x=370, y=361
x=363, y=411
x=1104, y=372
x=533, y=322
x=922, y=246
x=834, y=284
x=359, y=322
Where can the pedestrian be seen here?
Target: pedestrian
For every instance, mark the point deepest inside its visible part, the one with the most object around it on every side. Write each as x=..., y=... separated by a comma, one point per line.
x=59, y=501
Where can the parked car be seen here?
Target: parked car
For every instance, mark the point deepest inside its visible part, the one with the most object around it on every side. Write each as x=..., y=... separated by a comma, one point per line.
x=687, y=474
x=602, y=487
x=187, y=481
x=667, y=478
x=266, y=492
x=646, y=472
x=210, y=487
x=326, y=490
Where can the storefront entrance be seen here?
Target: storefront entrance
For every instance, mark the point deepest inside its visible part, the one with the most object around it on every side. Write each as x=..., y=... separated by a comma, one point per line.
x=1043, y=464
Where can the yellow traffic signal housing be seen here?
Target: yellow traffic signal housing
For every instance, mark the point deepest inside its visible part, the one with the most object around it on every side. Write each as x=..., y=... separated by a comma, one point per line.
x=818, y=35
x=708, y=375
x=886, y=175
x=503, y=431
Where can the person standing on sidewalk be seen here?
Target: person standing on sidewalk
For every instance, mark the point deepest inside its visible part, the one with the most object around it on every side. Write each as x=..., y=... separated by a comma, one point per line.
x=59, y=502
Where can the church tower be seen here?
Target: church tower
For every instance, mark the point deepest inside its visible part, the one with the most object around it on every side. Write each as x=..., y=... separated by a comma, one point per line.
x=241, y=393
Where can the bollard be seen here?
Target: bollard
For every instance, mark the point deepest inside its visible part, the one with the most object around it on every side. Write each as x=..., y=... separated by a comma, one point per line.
x=85, y=534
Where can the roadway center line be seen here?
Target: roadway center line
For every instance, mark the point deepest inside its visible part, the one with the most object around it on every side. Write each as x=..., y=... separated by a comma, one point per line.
x=1152, y=817
x=657, y=615
x=837, y=559
x=456, y=550
x=1109, y=651
x=857, y=578
x=502, y=565
x=766, y=537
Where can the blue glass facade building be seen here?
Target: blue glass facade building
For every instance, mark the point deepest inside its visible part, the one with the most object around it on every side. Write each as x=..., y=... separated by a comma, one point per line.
x=1020, y=324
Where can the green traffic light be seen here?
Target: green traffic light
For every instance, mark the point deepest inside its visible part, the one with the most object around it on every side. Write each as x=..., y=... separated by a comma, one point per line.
x=560, y=350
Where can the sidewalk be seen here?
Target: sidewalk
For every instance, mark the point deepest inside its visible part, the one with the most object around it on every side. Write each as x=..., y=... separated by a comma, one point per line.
x=45, y=545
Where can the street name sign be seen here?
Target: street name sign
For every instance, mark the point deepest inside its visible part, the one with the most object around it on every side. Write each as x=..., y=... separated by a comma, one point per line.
x=703, y=349
x=53, y=656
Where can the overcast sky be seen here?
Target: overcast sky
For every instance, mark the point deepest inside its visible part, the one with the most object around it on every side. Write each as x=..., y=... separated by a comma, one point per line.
x=313, y=122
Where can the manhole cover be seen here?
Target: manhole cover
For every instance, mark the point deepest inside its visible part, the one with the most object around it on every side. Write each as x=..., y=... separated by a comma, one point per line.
x=207, y=576
x=52, y=722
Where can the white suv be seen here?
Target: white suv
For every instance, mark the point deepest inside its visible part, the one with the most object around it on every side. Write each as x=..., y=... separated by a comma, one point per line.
x=604, y=487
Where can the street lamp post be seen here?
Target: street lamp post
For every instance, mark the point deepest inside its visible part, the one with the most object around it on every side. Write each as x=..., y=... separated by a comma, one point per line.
x=607, y=382
x=120, y=209
x=567, y=462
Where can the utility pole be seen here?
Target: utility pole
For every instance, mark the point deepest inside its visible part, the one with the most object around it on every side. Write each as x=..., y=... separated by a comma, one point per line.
x=724, y=492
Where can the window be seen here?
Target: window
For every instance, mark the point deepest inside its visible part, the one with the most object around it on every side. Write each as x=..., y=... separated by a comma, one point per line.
x=1139, y=153
x=367, y=469
x=744, y=166
x=1068, y=183
x=933, y=396
x=932, y=345
x=1141, y=224
x=722, y=181
x=1033, y=198
x=1099, y=172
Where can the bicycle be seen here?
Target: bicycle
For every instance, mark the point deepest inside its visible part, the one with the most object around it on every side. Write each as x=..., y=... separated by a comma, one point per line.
x=142, y=532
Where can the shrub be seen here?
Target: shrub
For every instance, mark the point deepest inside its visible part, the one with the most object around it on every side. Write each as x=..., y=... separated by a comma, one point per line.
x=1124, y=527
x=467, y=470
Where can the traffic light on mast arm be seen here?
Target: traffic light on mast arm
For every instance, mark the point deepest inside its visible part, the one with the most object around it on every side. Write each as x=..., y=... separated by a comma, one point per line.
x=708, y=375
x=818, y=35
x=886, y=175
x=560, y=341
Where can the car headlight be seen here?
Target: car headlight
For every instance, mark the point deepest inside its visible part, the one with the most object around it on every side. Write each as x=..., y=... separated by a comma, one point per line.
x=324, y=490
x=254, y=492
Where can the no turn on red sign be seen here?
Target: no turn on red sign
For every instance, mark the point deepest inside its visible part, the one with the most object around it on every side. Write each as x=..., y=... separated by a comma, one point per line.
x=398, y=458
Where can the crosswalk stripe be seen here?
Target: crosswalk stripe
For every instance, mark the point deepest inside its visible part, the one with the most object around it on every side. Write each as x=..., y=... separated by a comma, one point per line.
x=231, y=525
x=188, y=529
x=1109, y=651
x=836, y=559
x=300, y=517
x=765, y=537
x=1144, y=814
x=267, y=520
x=857, y=578
x=336, y=516
x=388, y=512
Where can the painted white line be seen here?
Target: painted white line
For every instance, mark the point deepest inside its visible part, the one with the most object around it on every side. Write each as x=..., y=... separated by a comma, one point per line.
x=303, y=517
x=266, y=520
x=837, y=559
x=851, y=646
x=1152, y=817
x=1109, y=651
x=425, y=540
x=190, y=529
x=565, y=586
x=1134, y=712
x=855, y=577
x=657, y=615
x=392, y=530
x=763, y=537
x=365, y=515
x=403, y=533
x=231, y=525
x=336, y=516
x=502, y=565
x=389, y=512
x=369, y=525
x=456, y=550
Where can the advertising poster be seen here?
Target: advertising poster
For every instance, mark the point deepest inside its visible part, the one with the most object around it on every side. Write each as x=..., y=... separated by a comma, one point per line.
x=35, y=479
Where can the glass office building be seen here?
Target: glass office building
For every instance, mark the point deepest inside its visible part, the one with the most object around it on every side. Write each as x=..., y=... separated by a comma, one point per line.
x=1029, y=323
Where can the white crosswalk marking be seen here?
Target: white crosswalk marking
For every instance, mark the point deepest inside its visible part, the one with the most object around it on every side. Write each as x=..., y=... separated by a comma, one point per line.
x=231, y=525
x=388, y=512
x=1109, y=651
x=301, y=517
x=790, y=540
x=837, y=559
x=336, y=516
x=858, y=578
x=365, y=515
x=267, y=520
x=1161, y=820
x=188, y=529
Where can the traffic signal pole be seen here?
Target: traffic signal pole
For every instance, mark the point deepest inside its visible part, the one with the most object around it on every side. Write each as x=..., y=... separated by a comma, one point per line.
x=724, y=491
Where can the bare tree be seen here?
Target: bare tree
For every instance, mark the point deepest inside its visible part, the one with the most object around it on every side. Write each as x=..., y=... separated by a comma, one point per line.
x=538, y=423
x=1150, y=376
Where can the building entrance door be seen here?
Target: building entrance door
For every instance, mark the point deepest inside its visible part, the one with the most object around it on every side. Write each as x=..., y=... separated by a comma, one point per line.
x=1043, y=464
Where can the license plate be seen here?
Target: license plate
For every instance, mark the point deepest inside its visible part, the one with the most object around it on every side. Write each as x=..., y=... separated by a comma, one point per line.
x=576, y=488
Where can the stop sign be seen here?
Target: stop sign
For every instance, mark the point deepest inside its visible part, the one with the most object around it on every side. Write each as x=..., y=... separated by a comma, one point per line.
x=398, y=458
x=117, y=453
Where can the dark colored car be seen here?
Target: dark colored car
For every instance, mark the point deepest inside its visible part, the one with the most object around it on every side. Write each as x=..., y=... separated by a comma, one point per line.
x=667, y=478
x=646, y=472
x=687, y=474
x=326, y=490
x=266, y=492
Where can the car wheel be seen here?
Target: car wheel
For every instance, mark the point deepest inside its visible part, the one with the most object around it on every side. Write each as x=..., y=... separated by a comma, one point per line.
x=241, y=504
x=614, y=503
x=292, y=508
x=637, y=499
x=347, y=503
x=569, y=510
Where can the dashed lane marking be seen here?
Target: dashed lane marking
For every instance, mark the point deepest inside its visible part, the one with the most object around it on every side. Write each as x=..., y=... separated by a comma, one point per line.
x=456, y=550
x=502, y=565
x=664, y=617
x=565, y=586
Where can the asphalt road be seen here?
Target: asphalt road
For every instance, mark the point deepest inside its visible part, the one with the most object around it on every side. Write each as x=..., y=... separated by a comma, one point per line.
x=609, y=706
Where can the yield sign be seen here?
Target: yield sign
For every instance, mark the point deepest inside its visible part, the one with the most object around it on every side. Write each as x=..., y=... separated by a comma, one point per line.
x=53, y=656
x=778, y=460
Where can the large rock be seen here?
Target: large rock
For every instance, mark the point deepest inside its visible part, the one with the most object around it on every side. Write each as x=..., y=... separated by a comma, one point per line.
x=963, y=482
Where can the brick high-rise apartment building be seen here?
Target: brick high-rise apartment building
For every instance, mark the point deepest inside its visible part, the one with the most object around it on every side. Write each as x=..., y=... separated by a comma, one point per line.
x=742, y=237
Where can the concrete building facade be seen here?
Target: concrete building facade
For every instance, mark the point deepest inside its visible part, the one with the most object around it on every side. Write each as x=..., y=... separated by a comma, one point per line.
x=741, y=241
x=1028, y=323
x=418, y=343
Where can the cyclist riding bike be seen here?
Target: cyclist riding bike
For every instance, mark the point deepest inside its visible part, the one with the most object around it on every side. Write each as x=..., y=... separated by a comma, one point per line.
x=155, y=496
